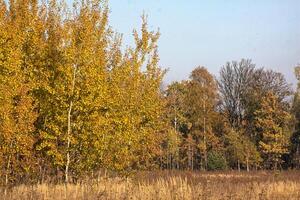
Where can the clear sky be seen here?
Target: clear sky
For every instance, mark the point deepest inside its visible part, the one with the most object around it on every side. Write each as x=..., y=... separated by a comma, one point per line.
x=211, y=32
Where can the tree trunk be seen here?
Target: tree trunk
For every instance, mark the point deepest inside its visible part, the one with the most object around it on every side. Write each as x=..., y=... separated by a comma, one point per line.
x=204, y=130
x=298, y=157
x=68, y=143
x=69, y=130
x=192, y=159
x=175, y=122
x=205, y=154
x=8, y=169
x=275, y=165
x=247, y=163
x=177, y=162
x=6, y=175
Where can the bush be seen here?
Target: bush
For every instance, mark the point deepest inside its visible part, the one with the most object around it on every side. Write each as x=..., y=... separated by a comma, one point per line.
x=216, y=161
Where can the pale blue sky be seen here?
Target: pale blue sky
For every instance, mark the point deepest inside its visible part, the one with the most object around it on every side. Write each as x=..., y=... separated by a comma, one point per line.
x=210, y=33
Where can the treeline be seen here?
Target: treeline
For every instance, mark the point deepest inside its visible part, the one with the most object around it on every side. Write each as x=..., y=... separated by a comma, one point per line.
x=74, y=101
x=246, y=119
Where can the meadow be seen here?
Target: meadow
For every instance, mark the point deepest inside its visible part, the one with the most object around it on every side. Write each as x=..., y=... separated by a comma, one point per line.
x=170, y=185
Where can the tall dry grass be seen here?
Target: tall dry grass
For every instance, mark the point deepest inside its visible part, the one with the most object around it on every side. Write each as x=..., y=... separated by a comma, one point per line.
x=170, y=185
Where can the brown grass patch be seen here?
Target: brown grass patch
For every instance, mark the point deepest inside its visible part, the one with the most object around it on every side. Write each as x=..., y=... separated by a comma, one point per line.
x=171, y=185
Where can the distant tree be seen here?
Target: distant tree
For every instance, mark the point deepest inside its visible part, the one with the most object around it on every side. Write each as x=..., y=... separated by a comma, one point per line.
x=190, y=152
x=175, y=105
x=265, y=81
x=175, y=113
x=170, y=158
x=243, y=88
x=236, y=79
x=271, y=122
x=241, y=150
x=295, y=139
x=200, y=103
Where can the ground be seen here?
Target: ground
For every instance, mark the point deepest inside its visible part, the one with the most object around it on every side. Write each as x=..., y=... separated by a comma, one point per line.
x=171, y=185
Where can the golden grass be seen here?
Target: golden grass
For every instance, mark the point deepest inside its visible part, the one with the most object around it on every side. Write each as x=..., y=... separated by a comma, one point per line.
x=165, y=186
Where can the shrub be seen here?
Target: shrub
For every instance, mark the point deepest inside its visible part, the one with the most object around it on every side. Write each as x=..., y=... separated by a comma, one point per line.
x=216, y=161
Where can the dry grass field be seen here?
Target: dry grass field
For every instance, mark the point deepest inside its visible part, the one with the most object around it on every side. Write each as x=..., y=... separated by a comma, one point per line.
x=170, y=185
